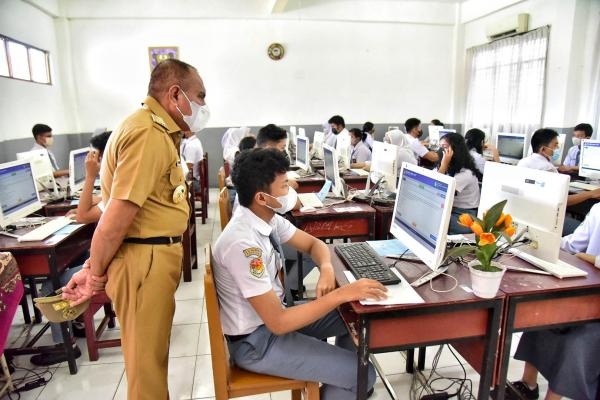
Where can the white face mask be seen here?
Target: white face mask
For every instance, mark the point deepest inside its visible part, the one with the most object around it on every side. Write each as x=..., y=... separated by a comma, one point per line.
x=576, y=141
x=287, y=202
x=200, y=115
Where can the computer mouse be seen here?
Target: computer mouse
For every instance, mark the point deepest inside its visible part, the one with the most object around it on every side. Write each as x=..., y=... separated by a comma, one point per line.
x=307, y=209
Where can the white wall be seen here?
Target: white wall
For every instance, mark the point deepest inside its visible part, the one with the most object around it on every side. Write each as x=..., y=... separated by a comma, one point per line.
x=22, y=104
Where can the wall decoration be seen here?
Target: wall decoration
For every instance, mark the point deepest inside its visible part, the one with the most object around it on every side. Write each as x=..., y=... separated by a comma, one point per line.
x=158, y=54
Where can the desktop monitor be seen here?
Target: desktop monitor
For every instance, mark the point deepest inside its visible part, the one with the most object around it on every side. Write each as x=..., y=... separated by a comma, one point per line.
x=317, y=147
x=422, y=212
x=536, y=200
x=443, y=132
x=434, y=133
x=18, y=194
x=43, y=173
x=77, y=168
x=302, y=153
x=383, y=164
x=343, y=146
x=332, y=172
x=301, y=132
x=589, y=159
x=511, y=147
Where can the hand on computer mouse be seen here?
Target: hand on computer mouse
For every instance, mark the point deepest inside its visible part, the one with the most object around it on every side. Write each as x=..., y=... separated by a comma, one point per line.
x=307, y=209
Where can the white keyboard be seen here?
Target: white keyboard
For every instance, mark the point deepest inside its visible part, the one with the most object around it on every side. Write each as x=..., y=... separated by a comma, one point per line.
x=560, y=269
x=310, y=200
x=359, y=171
x=42, y=232
x=583, y=185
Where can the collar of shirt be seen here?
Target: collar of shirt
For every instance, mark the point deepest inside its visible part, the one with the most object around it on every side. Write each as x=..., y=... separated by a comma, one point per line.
x=257, y=223
x=158, y=110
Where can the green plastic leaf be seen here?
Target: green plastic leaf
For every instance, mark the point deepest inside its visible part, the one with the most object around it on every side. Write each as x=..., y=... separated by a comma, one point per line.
x=492, y=216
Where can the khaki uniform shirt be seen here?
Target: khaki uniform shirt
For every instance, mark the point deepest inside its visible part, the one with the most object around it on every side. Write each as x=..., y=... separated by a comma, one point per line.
x=141, y=164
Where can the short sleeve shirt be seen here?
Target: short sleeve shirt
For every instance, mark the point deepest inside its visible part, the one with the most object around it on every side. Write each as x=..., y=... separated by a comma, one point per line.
x=479, y=160
x=416, y=145
x=141, y=164
x=246, y=265
x=571, y=158
x=537, y=161
x=467, y=189
x=192, y=152
x=360, y=153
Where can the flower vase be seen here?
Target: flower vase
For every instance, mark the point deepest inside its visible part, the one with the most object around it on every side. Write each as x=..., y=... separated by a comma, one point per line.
x=485, y=284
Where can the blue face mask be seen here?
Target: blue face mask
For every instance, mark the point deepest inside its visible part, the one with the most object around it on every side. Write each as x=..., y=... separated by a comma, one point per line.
x=555, y=155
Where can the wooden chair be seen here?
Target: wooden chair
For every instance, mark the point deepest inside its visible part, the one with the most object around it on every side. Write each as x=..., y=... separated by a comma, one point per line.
x=230, y=381
x=202, y=195
x=221, y=178
x=224, y=207
x=92, y=335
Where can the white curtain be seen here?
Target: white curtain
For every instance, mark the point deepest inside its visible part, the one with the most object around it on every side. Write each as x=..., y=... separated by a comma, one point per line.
x=593, y=112
x=506, y=82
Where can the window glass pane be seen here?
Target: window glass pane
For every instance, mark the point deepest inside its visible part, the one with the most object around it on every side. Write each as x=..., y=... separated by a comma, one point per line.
x=3, y=61
x=39, y=71
x=18, y=60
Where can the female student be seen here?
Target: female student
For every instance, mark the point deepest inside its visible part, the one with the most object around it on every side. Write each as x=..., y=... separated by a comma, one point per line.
x=458, y=162
x=360, y=151
x=475, y=139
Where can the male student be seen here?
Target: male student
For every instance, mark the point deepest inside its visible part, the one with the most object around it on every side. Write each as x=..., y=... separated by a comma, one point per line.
x=263, y=334
x=42, y=134
x=339, y=135
x=192, y=153
x=567, y=358
x=413, y=133
x=571, y=161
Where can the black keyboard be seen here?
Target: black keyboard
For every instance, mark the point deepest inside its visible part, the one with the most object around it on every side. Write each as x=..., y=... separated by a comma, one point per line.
x=363, y=261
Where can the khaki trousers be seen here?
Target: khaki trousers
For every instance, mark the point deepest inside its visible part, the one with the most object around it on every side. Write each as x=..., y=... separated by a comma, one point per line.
x=142, y=280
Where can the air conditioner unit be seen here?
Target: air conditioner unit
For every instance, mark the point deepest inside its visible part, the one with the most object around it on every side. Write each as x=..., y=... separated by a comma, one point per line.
x=507, y=26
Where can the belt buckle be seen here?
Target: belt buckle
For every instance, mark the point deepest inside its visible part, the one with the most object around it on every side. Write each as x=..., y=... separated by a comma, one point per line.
x=170, y=240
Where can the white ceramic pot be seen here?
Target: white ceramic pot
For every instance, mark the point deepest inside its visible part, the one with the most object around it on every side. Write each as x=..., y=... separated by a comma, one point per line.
x=485, y=284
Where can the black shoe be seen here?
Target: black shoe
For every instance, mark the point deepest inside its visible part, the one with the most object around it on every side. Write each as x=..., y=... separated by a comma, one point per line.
x=78, y=329
x=524, y=392
x=370, y=392
x=53, y=357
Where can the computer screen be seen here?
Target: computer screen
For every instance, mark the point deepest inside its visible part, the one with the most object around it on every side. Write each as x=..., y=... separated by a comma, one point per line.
x=332, y=172
x=511, y=147
x=18, y=194
x=434, y=133
x=589, y=159
x=422, y=212
x=443, y=132
x=536, y=200
x=43, y=172
x=77, y=168
x=317, y=148
x=302, y=158
x=383, y=164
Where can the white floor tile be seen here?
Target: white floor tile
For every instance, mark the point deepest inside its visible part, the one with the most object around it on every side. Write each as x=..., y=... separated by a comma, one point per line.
x=92, y=382
x=184, y=339
x=188, y=312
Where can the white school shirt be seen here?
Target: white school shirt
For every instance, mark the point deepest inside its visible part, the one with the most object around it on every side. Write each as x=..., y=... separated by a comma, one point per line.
x=343, y=138
x=369, y=140
x=537, y=161
x=571, y=158
x=586, y=238
x=246, y=265
x=479, y=160
x=192, y=152
x=467, y=189
x=360, y=153
x=37, y=146
x=416, y=145
x=330, y=139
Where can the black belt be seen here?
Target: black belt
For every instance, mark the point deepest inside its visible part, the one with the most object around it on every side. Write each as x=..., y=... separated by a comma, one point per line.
x=235, y=338
x=154, y=240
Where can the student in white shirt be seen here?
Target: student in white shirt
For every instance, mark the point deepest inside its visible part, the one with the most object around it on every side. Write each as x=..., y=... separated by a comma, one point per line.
x=413, y=133
x=475, y=140
x=571, y=161
x=341, y=136
x=369, y=129
x=42, y=134
x=567, y=358
x=360, y=153
x=192, y=153
x=457, y=162
x=263, y=333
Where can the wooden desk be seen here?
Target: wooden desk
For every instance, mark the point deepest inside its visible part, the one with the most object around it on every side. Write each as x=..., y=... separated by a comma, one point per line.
x=313, y=184
x=443, y=318
x=327, y=223
x=383, y=221
x=536, y=302
x=49, y=258
x=58, y=209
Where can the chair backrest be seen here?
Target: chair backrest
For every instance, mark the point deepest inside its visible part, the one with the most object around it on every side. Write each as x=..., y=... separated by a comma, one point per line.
x=218, y=350
x=221, y=178
x=204, y=171
x=224, y=207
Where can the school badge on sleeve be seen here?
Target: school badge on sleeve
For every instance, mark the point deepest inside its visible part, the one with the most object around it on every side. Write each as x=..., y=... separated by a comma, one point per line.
x=257, y=267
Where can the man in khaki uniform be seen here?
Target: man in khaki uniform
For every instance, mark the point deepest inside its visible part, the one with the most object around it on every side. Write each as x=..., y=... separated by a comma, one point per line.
x=136, y=249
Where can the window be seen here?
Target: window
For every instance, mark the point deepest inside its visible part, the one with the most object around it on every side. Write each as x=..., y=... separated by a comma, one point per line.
x=506, y=83
x=21, y=61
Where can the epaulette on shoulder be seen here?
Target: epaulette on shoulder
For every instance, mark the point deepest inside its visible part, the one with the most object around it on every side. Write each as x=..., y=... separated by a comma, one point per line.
x=159, y=121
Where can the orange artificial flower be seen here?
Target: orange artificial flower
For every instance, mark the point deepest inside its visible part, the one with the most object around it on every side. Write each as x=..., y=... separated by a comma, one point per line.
x=510, y=231
x=465, y=220
x=500, y=220
x=508, y=221
x=476, y=228
x=486, y=238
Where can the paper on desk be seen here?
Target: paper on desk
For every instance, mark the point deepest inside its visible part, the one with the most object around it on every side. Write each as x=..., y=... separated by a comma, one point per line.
x=348, y=209
x=388, y=247
x=293, y=175
x=400, y=293
x=75, y=202
x=67, y=229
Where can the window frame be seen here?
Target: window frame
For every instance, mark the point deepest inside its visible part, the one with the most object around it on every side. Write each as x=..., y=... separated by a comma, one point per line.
x=46, y=53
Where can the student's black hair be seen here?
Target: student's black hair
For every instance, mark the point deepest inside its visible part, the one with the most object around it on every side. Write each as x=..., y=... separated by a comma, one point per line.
x=368, y=127
x=437, y=122
x=359, y=134
x=270, y=133
x=254, y=170
x=247, y=143
x=99, y=141
x=542, y=137
x=586, y=128
x=39, y=129
x=474, y=139
x=461, y=157
x=411, y=123
x=338, y=120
